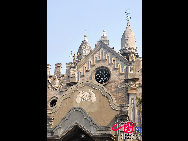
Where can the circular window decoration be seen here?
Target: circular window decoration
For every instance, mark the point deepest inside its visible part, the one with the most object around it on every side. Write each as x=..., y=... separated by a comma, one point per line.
x=53, y=103
x=102, y=75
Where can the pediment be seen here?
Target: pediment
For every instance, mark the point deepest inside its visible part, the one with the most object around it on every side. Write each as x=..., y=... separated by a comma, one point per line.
x=100, y=45
x=102, y=53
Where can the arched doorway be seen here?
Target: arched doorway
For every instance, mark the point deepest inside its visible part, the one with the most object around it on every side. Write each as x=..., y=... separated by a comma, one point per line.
x=76, y=134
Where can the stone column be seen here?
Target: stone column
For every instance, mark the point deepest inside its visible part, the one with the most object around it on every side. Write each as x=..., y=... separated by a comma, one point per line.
x=132, y=107
x=132, y=90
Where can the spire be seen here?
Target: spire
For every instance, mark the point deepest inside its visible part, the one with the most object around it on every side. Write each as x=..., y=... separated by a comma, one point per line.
x=128, y=23
x=128, y=40
x=127, y=16
x=85, y=37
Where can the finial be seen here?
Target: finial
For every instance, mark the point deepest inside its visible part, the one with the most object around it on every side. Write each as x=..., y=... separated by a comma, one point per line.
x=71, y=55
x=127, y=16
x=85, y=37
x=85, y=34
x=128, y=23
x=74, y=57
x=104, y=33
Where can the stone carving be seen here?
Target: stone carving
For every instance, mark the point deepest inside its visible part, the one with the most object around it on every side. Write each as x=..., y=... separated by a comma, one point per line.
x=131, y=69
x=74, y=58
x=132, y=57
x=131, y=84
x=85, y=96
x=95, y=85
x=55, y=84
x=50, y=121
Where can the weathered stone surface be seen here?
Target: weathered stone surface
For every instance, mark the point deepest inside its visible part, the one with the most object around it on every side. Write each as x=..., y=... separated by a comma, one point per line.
x=83, y=102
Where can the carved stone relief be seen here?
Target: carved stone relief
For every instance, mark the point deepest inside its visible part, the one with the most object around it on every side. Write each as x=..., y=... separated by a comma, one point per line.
x=86, y=96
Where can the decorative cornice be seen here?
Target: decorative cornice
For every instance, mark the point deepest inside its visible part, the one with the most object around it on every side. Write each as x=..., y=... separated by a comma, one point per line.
x=131, y=79
x=131, y=84
x=51, y=87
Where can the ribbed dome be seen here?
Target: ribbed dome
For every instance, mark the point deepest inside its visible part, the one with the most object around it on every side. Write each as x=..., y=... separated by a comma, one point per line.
x=128, y=40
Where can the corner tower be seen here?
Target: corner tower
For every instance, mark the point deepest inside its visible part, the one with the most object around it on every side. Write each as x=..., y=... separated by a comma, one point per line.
x=128, y=42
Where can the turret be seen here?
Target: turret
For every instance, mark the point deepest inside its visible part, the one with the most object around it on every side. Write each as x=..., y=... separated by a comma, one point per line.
x=48, y=70
x=84, y=48
x=57, y=71
x=128, y=43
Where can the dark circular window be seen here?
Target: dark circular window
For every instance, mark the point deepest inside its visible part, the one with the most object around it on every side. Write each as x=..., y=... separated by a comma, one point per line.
x=102, y=75
x=53, y=103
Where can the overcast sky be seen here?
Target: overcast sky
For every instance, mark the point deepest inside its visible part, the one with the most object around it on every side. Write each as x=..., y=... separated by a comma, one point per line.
x=67, y=21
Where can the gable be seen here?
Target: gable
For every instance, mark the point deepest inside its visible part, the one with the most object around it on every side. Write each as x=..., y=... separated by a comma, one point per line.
x=104, y=56
x=101, y=55
x=100, y=46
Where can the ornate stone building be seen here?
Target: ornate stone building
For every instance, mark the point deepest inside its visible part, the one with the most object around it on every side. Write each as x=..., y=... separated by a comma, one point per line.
x=100, y=88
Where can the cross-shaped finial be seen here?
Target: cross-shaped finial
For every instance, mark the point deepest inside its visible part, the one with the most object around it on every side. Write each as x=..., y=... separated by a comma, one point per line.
x=127, y=13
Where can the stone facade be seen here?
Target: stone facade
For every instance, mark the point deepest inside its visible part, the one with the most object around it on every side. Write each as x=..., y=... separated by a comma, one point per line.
x=76, y=101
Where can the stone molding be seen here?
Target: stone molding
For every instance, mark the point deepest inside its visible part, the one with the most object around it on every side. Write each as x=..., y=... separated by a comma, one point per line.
x=93, y=85
x=83, y=120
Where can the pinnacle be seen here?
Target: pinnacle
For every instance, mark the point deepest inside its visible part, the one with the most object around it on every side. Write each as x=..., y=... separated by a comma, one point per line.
x=104, y=33
x=128, y=23
x=85, y=38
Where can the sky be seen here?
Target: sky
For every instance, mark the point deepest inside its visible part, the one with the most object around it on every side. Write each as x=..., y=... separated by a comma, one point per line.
x=67, y=21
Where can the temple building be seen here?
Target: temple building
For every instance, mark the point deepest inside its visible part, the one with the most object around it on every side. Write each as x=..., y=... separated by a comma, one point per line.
x=101, y=88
